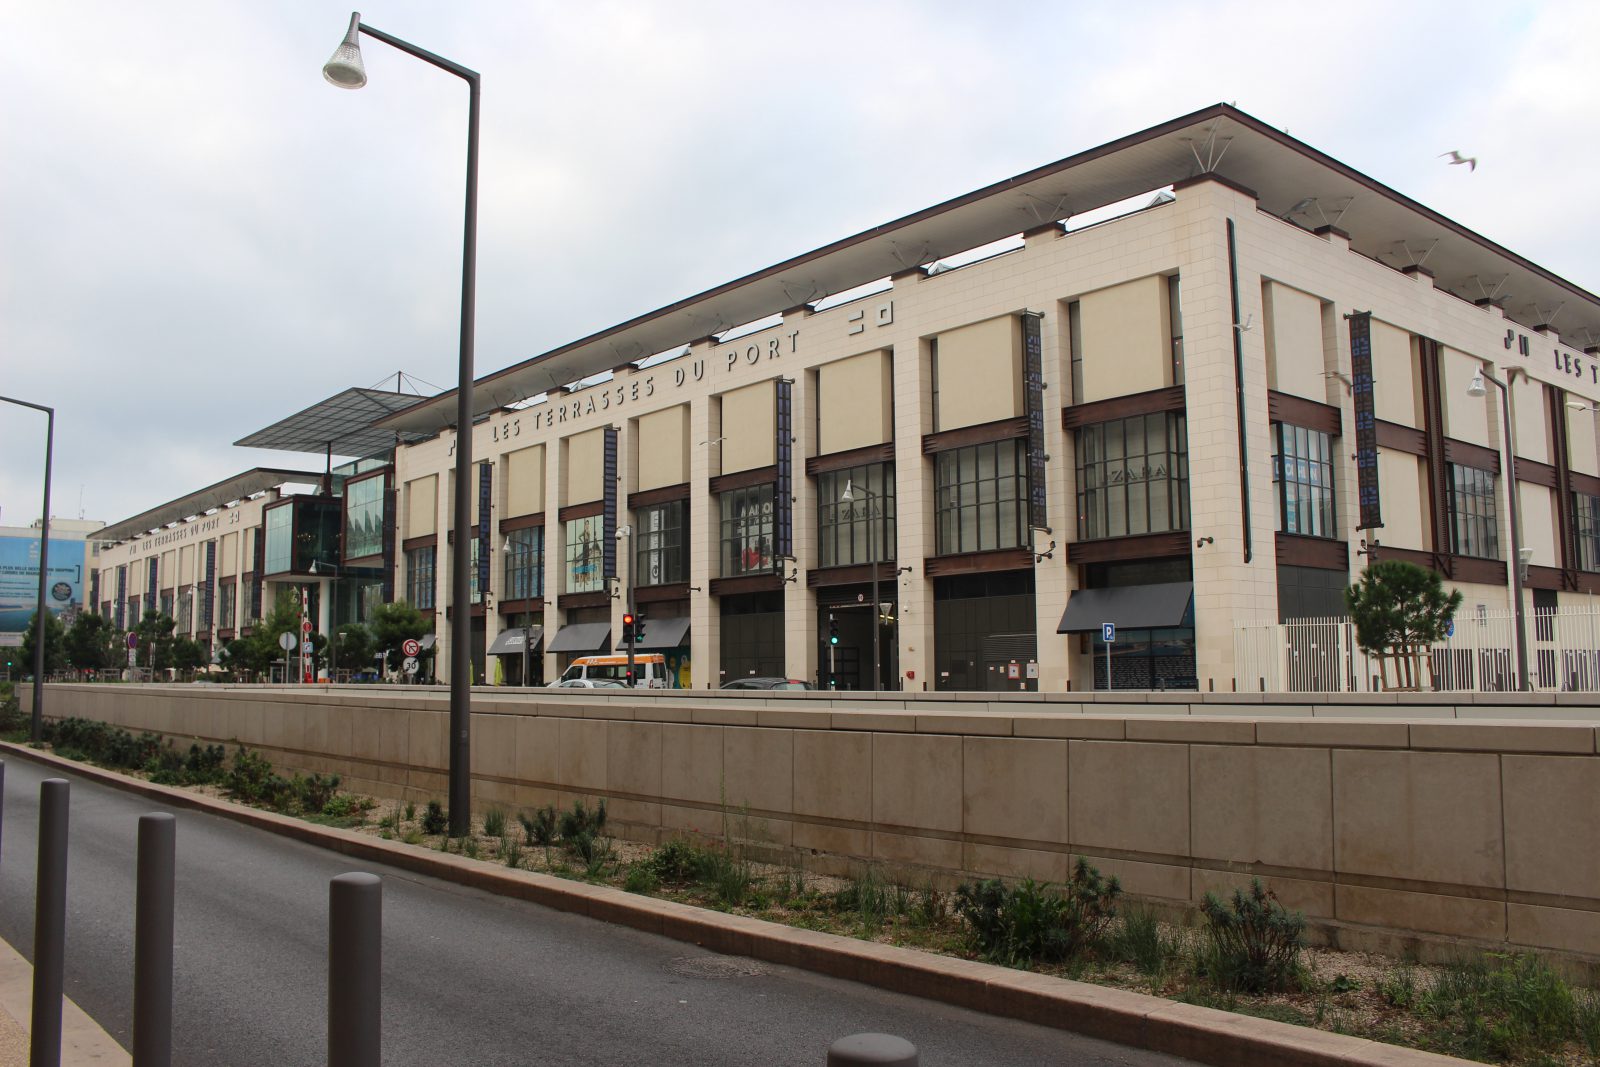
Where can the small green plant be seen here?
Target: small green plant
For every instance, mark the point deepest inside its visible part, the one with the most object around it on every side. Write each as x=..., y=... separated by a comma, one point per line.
x=511, y=851
x=872, y=899
x=676, y=862
x=390, y=821
x=540, y=827
x=1398, y=988
x=1252, y=942
x=494, y=823
x=930, y=907
x=411, y=810
x=412, y=836
x=1033, y=921
x=469, y=847
x=1139, y=941
x=434, y=819
x=641, y=878
x=1502, y=1007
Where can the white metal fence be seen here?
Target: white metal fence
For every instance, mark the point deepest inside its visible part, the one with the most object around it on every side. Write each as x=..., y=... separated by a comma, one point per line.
x=1321, y=655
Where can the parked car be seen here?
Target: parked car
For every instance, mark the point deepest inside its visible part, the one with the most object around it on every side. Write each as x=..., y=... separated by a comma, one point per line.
x=768, y=683
x=587, y=683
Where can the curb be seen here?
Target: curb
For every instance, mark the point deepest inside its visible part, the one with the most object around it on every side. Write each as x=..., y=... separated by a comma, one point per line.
x=1206, y=1035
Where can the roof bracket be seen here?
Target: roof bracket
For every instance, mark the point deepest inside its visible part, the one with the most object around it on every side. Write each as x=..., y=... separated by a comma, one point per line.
x=1548, y=318
x=1213, y=154
x=1055, y=210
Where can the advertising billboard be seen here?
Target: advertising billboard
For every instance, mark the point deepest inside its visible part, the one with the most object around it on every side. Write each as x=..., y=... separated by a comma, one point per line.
x=19, y=580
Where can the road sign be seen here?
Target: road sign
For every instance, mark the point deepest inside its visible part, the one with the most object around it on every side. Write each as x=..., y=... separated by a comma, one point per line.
x=305, y=626
x=133, y=641
x=133, y=657
x=410, y=665
x=410, y=646
x=1449, y=629
x=1108, y=632
x=287, y=641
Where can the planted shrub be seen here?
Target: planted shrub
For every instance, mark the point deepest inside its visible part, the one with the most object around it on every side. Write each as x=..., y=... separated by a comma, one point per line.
x=540, y=827
x=250, y=778
x=434, y=820
x=1034, y=921
x=677, y=861
x=1253, y=942
x=641, y=879
x=494, y=822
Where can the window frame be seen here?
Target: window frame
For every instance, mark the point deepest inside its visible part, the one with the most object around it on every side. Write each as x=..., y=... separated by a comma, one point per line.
x=745, y=540
x=981, y=497
x=666, y=543
x=1474, y=511
x=864, y=529
x=422, y=576
x=524, y=564
x=1301, y=456
x=1102, y=480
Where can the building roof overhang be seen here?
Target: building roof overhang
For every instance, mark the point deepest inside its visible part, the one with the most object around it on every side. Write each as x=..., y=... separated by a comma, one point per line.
x=341, y=425
x=238, y=487
x=1287, y=176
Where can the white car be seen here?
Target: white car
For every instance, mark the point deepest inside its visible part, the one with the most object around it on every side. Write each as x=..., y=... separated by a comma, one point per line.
x=587, y=683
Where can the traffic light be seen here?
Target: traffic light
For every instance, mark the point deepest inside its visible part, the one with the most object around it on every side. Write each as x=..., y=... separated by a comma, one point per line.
x=833, y=629
x=628, y=624
x=638, y=628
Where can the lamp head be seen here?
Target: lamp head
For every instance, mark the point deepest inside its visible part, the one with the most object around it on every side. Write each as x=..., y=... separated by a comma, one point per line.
x=1476, y=388
x=345, y=69
x=848, y=493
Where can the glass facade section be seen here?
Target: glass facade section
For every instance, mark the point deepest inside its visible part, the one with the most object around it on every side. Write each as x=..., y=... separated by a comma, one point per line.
x=746, y=530
x=861, y=529
x=1133, y=476
x=420, y=576
x=225, y=604
x=525, y=563
x=981, y=497
x=1474, y=530
x=279, y=522
x=1586, y=530
x=185, y=611
x=1302, y=471
x=661, y=550
x=363, y=518
x=584, y=555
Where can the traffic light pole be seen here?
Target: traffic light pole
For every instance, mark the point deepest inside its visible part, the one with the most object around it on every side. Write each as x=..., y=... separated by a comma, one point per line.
x=632, y=630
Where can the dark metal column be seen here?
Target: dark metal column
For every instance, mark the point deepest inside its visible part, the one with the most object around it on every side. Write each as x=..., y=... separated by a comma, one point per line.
x=152, y=941
x=50, y=924
x=355, y=967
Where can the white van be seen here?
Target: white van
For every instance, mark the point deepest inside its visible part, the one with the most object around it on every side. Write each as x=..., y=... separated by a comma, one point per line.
x=649, y=671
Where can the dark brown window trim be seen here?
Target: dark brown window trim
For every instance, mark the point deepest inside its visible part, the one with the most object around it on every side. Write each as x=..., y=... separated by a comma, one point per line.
x=1587, y=582
x=665, y=494
x=1139, y=546
x=1467, y=454
x=450, y=536
x=583, y=600
x=852, y=574
x=1587, y=484
x=1296, y=550
x=225, y=634
x=1547, y=578
x=746, y=583
x=1323, y=231
x=582, y=511
x=650, y=594
x=521, y=607
x=854, y=457
x=1536, y=473
x=426, y=613
x=1123, y=407
x=982, y=434
x=425, y=541
x=1397, y=438
x=477, y=612
x=375, y=560
x=1005, y=559
x=724, y=483
x=1457, y=568
x=522, y=522
x=1298, y=411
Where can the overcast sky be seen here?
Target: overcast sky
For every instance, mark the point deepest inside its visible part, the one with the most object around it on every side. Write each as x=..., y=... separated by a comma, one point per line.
x=199, y=236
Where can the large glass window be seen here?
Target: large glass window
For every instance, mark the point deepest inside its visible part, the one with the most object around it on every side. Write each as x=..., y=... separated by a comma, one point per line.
x=862, y=528
x=363, y=518
x=1133, y=476
x=584, y=555
x=525, y=563
x=185, y=618
x=981, y=497
x=1586, y=528
x=1302, y=470
x=661, y=551
x=225, y=596
x=166, y=603
x=420, y=576
x=746, y=530
x=1473, y=528
x=280, y=538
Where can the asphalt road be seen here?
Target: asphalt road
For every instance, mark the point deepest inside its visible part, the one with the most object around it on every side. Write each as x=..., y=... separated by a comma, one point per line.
x=468, y=978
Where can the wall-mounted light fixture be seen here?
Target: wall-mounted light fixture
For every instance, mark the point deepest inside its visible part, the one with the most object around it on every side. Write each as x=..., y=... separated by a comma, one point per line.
x=1204, y=541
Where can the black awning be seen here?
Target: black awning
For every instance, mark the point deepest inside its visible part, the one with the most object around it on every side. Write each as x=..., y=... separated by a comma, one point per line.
x=428, y=641
x=1132, y=607
x=664, y=633
x=581, y=637
x=516, y=641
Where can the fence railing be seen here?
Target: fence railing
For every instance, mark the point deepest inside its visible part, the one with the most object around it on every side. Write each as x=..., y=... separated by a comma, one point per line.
x=1321, y=655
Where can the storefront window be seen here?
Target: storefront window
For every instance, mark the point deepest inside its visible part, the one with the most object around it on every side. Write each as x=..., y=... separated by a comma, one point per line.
x=584, y=554
x=1302, y=470
x=363, y=518
x=661, y=549
x=420, y=576
x=863, y=528
x=746, y=530
x=280, y=538
x=1133, y=477
x=981, y=497
x=1147, y=659
x=525, y=563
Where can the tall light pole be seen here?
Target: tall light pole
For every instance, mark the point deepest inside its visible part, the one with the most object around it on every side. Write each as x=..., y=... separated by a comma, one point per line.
x=873, y=541
x=333, y=621
x=44, y=569
x=345, y=70
x=1475, y=389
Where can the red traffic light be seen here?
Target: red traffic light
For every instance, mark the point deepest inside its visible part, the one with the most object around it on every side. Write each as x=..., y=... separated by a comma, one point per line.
x=627, y=619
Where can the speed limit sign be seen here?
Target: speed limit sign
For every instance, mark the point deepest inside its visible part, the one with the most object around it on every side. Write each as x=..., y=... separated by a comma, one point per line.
x=410, y=646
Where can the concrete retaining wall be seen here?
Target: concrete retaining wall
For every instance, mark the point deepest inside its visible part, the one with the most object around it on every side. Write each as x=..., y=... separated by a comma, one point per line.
x=1455, y=821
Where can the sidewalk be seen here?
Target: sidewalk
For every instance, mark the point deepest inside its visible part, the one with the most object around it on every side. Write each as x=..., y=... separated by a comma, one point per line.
x=82, y=1039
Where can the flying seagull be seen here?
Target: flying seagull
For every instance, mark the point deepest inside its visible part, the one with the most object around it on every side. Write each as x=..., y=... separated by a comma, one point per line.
x=1456, y=158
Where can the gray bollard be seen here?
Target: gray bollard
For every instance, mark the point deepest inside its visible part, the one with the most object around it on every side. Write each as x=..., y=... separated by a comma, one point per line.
x=2, y=789
x=355, y=963
x=152, y=941
x=872, y=1049
x=50, y=924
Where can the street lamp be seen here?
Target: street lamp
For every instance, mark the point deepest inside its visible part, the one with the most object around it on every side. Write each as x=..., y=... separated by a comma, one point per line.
x=44, y=569
x=333, y=621
x=1475, y=389
x=346, y=70
x=874, y=545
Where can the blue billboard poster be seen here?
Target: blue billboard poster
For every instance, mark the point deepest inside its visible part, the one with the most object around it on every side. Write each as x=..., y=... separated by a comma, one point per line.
x=19, y=580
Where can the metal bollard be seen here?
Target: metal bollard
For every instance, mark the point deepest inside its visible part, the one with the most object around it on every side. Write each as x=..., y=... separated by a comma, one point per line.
x=50, y=924
x=355, y=964
x=152, y=941
x=2, y=791
x=882, y=1049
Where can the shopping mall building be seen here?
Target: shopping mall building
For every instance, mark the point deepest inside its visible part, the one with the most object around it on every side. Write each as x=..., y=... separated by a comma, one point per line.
x=1193, y=378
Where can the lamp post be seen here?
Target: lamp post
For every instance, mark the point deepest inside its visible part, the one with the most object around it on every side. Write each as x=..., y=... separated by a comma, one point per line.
x=333, y=620
x=345, y=70
x=1475, y=389
x=874, y=542
x=44, y=568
